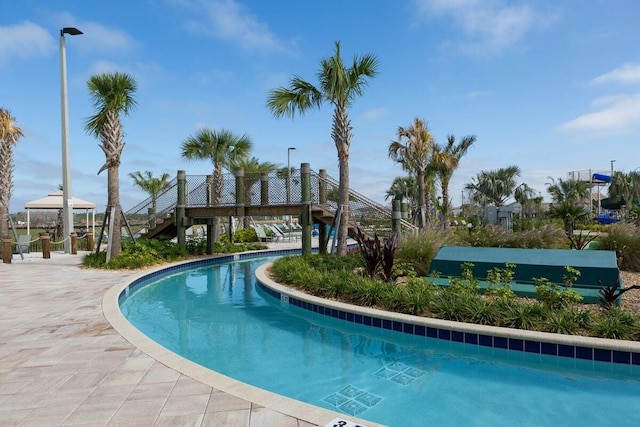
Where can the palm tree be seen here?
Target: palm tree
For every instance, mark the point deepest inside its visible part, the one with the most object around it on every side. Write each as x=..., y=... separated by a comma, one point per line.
x=445, y=161
x=494, y=186
x=253, y=169
x=569, y=213
x=222, y=147
x=403, y=188
x=152, y=186
x=570, y=190
x=112, y=95
x=567, y=196
x=625, y=188
x=413, y=151
x=339, y=86
x=10, y=133
x=523, y=195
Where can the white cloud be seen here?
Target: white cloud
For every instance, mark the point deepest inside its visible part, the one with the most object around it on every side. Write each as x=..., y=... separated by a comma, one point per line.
x=374, y=114
x=615, y=114
x=23, y=41
x=100, y=67
x=489, y=26
x=96, y=37
x=231, y=21
x=627, y=74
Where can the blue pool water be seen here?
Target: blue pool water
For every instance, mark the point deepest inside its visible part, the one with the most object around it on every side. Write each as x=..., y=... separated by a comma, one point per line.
x=215, y=316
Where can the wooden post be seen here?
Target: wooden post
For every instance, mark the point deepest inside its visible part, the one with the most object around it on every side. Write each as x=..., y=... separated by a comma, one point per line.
x=6, y=250
x=305, y=212
x=90, y=242
x=180, y=210
x=240, y=193
x=404, y=208
x=323, y=237
x=264, y=189
x=74, y=243
x=396, y=214
x=46, y=248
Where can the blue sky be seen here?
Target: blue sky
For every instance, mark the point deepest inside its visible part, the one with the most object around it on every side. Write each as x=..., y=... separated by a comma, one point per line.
x=549, y=86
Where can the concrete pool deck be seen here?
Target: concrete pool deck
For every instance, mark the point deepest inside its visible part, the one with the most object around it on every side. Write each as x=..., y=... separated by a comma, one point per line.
x=62, y=363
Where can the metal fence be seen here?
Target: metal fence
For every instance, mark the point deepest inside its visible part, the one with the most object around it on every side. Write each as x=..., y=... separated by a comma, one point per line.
x=271, y=189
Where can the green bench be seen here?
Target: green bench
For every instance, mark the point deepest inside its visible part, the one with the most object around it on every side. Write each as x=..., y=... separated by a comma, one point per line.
x=594, y=266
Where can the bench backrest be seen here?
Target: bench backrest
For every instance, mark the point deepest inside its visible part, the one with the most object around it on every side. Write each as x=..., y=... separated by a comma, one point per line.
x=594, y=265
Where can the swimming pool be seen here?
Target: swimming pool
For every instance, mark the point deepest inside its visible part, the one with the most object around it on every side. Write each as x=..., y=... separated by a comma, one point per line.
x=217, y=317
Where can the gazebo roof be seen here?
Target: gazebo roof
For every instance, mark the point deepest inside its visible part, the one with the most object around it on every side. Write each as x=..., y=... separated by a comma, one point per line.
x=54, y=201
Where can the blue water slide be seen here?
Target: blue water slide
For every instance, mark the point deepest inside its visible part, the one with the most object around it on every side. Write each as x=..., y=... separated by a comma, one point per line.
x=601, y=177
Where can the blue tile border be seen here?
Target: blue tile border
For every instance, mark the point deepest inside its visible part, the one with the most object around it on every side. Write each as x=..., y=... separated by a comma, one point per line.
x=520, y=345
x=486, y=340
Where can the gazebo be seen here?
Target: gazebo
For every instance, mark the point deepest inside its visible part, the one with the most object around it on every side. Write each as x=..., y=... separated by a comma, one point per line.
x=54, y=201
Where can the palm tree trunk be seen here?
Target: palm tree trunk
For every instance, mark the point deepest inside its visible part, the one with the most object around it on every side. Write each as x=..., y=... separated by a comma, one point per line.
x=422, y=201
x=6, y=168
x=341, y=133
x=115, y=221
x=445, y=202
x=217, y=196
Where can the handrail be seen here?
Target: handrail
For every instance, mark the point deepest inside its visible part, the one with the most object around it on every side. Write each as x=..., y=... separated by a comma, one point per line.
x=167, y=198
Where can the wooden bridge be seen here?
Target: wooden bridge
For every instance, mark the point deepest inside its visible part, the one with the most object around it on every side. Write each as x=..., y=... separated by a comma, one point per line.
x=312, y=197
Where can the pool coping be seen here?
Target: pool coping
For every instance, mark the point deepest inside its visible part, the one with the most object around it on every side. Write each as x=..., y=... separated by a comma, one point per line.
x=288, y=406
x=503, y=338
x=458, y=332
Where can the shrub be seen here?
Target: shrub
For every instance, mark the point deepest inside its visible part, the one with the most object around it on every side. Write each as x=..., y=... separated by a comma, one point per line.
x=522, y=315
x=500, y=281
x=562, y=322
x=616, y=323
x=369, y=293
x=544, y=237
x=378, y=255
x=196, y=245
x=142, y=253
x=419, y=249
x=555, y=296
x=625, y=240
x=338, y=277
x=482, y=311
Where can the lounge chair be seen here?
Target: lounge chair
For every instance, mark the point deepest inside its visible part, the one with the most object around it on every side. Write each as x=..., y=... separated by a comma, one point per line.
x=277, y=232
x=24, y=244
x=262, y=235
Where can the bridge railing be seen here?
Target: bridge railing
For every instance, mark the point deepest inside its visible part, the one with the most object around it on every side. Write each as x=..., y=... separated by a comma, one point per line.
x=363, y=211
x=165, y=204
x=271, y=189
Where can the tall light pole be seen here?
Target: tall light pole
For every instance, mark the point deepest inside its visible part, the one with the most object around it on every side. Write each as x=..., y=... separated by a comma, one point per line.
x=612, y=162
x=289, y=174
x=67, y=197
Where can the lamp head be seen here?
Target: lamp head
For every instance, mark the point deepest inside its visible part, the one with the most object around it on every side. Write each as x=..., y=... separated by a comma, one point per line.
x=72, y=31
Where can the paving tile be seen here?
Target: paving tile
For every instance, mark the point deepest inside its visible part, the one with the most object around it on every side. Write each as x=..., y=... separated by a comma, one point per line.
x=47, y=416
x=185, y=405
x=134, y=409
x=47, y=384
x=97, y=413
x=188, y=387
x=263, y=417
x=159, y=373
x=124, y=377
x=227, y=419
x=67, y=397
x=61, y=363
x=151, y=391
x=12, y=417
x=109, y=393
x=226, y=402
x=23, y=401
